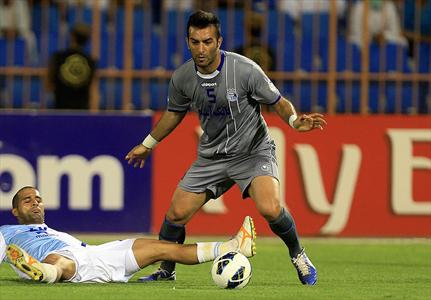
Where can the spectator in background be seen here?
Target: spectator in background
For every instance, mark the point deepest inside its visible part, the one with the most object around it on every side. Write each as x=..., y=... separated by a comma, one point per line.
x=71, y=73
x=295, y=8
x=158, y=7
x=383, y=23
x=254, y=49
x=80, y=10
x=418, y=12
x=423, y=13
x=183, y=5
x=411, y=15
x=15, y=22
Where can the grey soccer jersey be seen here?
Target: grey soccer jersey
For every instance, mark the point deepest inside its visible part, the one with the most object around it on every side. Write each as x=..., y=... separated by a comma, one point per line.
x=228, y=104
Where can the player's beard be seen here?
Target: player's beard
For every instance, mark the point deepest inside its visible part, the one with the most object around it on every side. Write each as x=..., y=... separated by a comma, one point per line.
x=208, y=62
x=32, y=218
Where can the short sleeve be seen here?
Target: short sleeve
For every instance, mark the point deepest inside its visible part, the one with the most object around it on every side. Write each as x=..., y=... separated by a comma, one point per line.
x=2, y=248
x=177, y=101
x=261, y=87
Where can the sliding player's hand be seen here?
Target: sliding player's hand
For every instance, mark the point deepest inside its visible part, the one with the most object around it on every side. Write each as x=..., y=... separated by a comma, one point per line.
x=138, y=155
x=310, y=122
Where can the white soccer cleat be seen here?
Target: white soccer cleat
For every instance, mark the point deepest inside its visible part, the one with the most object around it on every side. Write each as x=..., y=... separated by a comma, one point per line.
x=246, y=238
x=25, y=263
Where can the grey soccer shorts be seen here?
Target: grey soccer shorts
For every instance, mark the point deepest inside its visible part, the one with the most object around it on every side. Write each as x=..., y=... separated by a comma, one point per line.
x=219, y=175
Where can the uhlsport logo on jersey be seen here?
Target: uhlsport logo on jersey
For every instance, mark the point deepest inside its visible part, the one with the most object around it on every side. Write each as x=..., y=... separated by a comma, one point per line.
x=209, y=84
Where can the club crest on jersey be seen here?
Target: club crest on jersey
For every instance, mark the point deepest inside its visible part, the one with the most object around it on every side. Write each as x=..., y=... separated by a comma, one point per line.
x=231, y=95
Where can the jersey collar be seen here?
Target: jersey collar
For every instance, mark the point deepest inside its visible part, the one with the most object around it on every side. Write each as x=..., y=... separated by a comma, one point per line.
x=216, y=72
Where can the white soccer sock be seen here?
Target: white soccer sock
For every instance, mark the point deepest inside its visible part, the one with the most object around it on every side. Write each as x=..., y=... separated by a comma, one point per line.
x=209, y=251
x=50, y=273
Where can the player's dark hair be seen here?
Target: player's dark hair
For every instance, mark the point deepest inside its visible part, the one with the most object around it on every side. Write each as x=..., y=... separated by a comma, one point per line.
x=15, y=198
x=81, y=33
x=202, y=19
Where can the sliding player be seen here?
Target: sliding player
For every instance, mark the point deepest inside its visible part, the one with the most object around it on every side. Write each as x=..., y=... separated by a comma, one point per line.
x=41, y=253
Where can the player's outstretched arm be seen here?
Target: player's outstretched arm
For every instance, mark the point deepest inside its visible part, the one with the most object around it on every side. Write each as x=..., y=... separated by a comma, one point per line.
x=286, y=111
x=163, y=128
x=2, y=248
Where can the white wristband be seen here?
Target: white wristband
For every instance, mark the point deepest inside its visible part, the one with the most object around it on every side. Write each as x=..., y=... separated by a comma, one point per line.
x=149, y=142
x=292, y=119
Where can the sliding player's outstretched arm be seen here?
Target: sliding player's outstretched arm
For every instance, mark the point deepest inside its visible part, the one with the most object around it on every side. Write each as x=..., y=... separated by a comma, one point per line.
x=2, y=248
x=163, y=128
x=304, y=122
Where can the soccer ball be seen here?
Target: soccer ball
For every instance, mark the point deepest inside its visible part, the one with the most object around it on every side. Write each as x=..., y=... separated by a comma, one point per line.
x=231, y=270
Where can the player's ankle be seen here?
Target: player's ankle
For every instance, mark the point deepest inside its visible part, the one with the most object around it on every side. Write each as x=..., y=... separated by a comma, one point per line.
x=231, y=245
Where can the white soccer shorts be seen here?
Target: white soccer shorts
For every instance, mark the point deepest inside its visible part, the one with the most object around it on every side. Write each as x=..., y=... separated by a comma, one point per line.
x=109, y=262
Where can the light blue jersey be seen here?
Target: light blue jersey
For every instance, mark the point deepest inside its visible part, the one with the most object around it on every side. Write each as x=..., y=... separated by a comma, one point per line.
x=37, y=239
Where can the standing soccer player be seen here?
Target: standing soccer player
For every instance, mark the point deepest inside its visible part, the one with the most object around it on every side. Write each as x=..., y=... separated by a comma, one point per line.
x=226, y=90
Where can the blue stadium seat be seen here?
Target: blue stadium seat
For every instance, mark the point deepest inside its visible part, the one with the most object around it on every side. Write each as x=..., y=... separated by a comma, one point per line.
x=306, y=54
x=391, y=55
x=111, y=91
x=137, y=94
x=351, y=104
x=138, y=21
x=119, y=20
x=391, y=97
x=3, y=52
x=35, y=90
x=141, y=46
x=287, y=62
x=314, y=56
x=286, y=89
x=238, y=27
x=315, y=24
x=18, y=49
x=347, y=56
x=113, y=57
x=373, y=97
x=308, y=90
x=322, y=96
x=36, y=17
x=52, y=43
x=102, y=93
x=158, y=92
x=174, y=19
x=149, y=94
x=18, y=92
x=273, y=21
x=39, y=16
x=424, y=63
x=75, y=14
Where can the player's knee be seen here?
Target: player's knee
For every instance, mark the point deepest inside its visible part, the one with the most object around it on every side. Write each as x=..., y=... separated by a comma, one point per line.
x=177, y=215
x=270, y=210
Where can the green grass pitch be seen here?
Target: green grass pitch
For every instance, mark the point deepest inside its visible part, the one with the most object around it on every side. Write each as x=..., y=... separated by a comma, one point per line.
x=347, y=268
